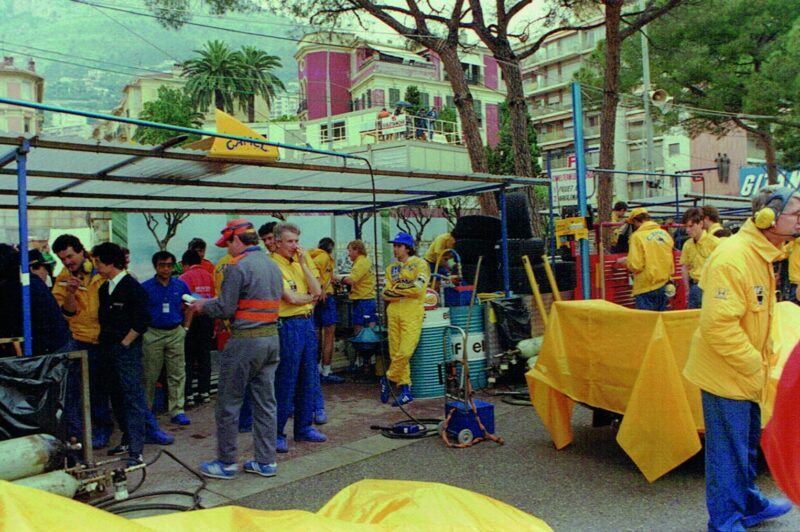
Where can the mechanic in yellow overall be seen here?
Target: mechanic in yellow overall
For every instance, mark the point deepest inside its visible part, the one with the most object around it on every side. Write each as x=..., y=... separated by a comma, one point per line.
x=406, y=283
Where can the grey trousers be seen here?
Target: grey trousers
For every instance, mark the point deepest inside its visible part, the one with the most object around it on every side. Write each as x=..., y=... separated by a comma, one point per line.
x=246, y=361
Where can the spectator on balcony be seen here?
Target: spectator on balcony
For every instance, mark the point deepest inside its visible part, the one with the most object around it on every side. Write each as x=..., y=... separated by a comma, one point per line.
x=431, y=116
x=382, y=114
x=420, y=123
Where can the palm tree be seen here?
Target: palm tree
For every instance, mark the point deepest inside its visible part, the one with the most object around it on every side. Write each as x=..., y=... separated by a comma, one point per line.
x=216, y=74
x=258, y=78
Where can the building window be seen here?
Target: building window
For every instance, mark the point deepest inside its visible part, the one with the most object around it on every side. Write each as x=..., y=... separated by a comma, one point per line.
x=674, y=149
x=424, y=99
x=450, y=102
x=478, y=105
x=394, y=96
x=339, y=131
x=369, y=99
x=27, y=124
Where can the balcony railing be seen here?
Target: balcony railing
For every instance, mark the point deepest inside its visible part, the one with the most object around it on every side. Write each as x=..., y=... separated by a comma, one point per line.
x=540, y=110
x=410, y=127
x=421, y=70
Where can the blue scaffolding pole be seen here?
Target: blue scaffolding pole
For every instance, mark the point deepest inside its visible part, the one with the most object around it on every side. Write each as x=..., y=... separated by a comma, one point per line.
x=580, y=163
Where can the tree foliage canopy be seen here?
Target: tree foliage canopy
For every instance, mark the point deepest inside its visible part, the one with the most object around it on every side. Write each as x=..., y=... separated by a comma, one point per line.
x=174, y=107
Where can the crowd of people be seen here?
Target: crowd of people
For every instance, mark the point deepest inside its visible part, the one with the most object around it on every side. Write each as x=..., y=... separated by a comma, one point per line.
x=273, y=318
x=418, y=125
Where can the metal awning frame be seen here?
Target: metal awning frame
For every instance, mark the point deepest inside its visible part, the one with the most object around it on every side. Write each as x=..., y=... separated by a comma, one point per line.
x=22, y=147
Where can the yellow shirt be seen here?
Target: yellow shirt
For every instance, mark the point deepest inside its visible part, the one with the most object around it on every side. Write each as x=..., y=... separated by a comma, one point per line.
x=439, y=244
x=219, y=271
x=694, y=254
x=650, y=258
x=794, y=262
x=294, y=280
x=408, y=279
x=363, y=278
x=84, y=325
x=323, y=262
x=731, y=351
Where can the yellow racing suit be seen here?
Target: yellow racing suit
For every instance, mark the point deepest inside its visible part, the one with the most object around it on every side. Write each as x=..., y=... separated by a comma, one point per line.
x=406, y=283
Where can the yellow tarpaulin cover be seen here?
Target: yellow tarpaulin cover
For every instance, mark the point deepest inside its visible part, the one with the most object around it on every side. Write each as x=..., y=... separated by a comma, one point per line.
x=239, y=149
x=365, y=505
x=630, y=362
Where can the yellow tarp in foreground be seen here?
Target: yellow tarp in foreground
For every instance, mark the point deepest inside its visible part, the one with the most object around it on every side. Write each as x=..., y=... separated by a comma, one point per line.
x=365, y=505
x=630, y=362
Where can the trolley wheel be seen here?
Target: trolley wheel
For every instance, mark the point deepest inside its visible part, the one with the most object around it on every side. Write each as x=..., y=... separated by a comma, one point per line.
x=465, y=436
x=440, y=428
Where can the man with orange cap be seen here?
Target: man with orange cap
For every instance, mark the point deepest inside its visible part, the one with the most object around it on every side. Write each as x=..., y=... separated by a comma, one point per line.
x=250, y=297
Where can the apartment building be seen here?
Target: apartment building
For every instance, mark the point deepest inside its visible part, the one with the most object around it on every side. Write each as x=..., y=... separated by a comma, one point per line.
x=20, y=83
x=547, y=77
x=346, y=80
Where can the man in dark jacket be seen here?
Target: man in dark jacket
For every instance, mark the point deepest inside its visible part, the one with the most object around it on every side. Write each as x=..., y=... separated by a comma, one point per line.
x=123, y=319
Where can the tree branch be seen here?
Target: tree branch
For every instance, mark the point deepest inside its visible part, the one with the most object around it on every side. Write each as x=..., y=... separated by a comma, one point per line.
x=538, y=43
x=648, y=15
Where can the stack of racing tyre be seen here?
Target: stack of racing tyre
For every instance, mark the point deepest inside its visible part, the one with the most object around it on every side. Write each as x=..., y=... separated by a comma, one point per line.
x=481, y=235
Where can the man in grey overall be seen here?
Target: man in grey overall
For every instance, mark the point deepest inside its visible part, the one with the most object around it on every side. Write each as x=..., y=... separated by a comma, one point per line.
x=250, y=298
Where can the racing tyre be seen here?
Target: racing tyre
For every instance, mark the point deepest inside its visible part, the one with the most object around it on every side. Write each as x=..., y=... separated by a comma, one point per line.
x=469, y=250
x=518, y=216
x=477, y=227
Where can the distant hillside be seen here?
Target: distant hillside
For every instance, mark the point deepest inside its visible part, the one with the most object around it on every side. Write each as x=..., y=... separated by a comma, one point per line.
x=101, y=49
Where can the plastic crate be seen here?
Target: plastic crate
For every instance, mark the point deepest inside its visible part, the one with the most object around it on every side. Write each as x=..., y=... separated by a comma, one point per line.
x=458, y=296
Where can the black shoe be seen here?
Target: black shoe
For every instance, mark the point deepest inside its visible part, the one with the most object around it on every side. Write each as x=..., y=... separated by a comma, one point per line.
x=135, y=459
x=119, y=450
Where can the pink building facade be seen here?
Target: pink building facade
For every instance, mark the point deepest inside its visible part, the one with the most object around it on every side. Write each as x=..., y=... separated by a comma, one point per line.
x=363, y=76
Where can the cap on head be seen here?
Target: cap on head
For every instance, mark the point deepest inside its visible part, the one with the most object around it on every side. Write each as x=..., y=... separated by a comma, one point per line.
x=404, y=239
x=234, y=227
x=634, y=213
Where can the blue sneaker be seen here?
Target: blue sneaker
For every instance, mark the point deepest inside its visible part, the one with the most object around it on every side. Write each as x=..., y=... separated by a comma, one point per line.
x=265, y=470
x=311, y=434
x=180, y=419
x=405, y=396
x=280, y=445
x=385, y=390
x=319, y=417
x=218, y=469
x=775, y=508
x=331, y=379
x=159, y=437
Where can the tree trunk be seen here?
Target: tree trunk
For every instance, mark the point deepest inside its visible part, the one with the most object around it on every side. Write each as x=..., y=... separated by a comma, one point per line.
x=769, y=155
x=470, y=131
x=219, y=100
x=523, y=165
x=251, y=108
x=608, y=116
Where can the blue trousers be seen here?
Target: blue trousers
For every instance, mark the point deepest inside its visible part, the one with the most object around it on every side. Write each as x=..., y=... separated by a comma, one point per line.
x=297, y=374
x=654, y=300
x=794, y=297
x=695, y=296
x=123, y=380
x=102, y=424
x=733, y=431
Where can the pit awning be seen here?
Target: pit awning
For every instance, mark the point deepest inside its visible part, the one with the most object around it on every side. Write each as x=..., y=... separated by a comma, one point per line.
x=104, y=176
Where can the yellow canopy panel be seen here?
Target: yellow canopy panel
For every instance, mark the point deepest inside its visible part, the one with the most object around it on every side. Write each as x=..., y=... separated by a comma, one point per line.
x=365, y=505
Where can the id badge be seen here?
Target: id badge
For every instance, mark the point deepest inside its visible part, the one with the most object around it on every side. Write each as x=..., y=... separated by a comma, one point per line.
x=165, y=308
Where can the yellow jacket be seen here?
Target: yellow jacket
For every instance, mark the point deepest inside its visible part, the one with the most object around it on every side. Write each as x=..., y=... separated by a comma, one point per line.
x=219, y=271
x=84, y=325
x=694, y=254
x=794, y=262
x=408, y=280
x=650, y=258
x=324, y=264
x=439, y=244
x=731, y=351
x=363, y=278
